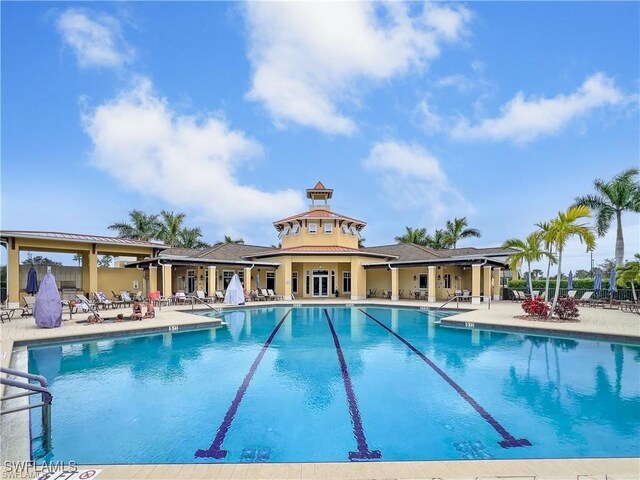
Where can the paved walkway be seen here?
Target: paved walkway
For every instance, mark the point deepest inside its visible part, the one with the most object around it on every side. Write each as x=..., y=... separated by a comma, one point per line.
x=622, y=325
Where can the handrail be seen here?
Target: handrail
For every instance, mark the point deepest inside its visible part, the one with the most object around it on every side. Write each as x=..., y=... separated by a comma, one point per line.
x=458, y=297
x=32, y=389
x=193, y=297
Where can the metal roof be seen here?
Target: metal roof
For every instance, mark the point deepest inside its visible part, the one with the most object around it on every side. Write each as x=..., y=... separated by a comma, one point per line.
x=319, y=214
x=80, y=237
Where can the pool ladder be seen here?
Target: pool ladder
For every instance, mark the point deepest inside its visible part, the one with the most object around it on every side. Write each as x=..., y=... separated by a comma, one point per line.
x=31, y=389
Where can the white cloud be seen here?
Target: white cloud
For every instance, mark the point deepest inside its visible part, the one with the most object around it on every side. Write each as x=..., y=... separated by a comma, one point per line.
x=428, y=119
x=412, y=178
x=95, y=38
x=187, y=161
x=523, y=120
x=309, y=59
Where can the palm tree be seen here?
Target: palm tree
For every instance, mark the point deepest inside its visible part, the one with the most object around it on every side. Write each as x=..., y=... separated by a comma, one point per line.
x=142, y=227
x=620, y=194
x=228, y=239
x=456, y=230
x=630, y=274
x=417, y=236
x=361, y=242
x=190, y=238
x=439, y=240
x=528, y=250
x=548, y=245
x=563, y=227
x=170, y=227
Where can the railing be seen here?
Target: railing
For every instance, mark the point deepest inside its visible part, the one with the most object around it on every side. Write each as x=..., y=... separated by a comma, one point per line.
x=46, y=399
x=620, y=294
x=194, y=298
x=458, y=297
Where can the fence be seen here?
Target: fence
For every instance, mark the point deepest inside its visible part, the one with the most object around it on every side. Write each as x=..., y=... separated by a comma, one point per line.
x=620, y=294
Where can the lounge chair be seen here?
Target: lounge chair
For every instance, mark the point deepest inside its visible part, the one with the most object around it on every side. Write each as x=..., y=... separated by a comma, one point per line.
x=29, y=302
x=535, y=293
x=466, y=296
x=586, y=299
x=86, y=305
x=180, y=297
x=386, y=294
x=266, y=295
x=125, y=298
x=101, y=300
x=571, y=293
x=274, y=295
x=200, y=295
x=219, y=296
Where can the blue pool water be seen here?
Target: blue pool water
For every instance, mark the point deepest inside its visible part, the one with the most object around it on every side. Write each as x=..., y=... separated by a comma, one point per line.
x=338, y=384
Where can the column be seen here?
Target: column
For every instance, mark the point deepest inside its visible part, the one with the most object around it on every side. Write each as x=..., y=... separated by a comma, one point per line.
x=431, y=284
x=286, y=270
x=486, y=282
x=475, y=283
x=247, y=280
x=394, y=284
x=166, y=280
x=153, y=278
x=89, y=272
x=13, y=274
x=211, y=287
x=496, y=284
x=358, y=280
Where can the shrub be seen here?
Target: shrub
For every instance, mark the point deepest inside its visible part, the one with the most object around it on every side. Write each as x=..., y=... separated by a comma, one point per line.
x=567, y=308
x=536, y=306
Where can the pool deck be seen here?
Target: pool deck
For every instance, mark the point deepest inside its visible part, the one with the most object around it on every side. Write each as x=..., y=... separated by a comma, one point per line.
x=604, y=323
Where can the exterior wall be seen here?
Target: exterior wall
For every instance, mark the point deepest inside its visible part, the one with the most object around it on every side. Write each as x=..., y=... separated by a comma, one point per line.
x=117, y=279
x=304, y=238
x=378, y=279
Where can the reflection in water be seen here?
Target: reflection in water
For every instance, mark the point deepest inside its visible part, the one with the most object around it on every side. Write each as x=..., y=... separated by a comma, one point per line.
x=47, y=361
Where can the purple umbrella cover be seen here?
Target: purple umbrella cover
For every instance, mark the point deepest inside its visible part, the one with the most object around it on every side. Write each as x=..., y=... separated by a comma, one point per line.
x=47, y=309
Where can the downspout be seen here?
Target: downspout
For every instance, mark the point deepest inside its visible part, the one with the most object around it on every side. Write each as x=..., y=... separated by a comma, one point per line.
x=6, y=246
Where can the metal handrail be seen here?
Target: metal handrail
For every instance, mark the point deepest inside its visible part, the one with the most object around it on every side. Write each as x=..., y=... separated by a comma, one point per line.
x=32, y=389
x=458, y=297
x=193, y=297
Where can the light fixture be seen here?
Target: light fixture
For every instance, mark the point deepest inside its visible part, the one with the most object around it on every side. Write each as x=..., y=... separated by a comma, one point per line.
x=439, y=277
x=414, y=277
x=201, y=277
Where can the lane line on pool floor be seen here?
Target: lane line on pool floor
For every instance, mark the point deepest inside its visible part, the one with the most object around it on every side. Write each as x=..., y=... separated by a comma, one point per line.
x=214, y=450
x=363, y=453
x=508, y=440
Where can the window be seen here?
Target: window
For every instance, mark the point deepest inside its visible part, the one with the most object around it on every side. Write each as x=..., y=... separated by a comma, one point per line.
x=328, y=228
x=307, y=285
x=295, y=229
x=423, y=281
x=241, y=276
x=294, y=282
x=354, y=231
x=271, y=280
x=346, y=282
x=286, y=230
x=227, y=275
x=313, y=228
x=447, y=280
x=345, y=229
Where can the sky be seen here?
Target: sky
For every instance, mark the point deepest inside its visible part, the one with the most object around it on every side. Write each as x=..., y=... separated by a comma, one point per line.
x=500, y=112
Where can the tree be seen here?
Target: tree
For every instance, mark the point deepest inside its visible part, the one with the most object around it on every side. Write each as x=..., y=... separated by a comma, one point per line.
x=439, y=240
x=630, y=275
x=228, y=239
x=544, y=230
x=361, y=242
x=582, y=274
x=529, y=250
x=105, y=261
x=78, y=258
x=563, y=227
x=457, y=230
x=170, y=227
x=191, y=238
x=620, y=194
x=142, y=227
x=417, y=236
x=607, y=265
x=537, y=273
x=40, y=260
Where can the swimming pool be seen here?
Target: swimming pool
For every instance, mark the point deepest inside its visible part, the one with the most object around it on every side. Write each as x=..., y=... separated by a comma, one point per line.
x=315, y=384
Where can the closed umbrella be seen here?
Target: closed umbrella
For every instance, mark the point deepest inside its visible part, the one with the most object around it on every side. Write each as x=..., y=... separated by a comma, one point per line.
x=32, y=281
x=570, y=280
x=597, y=282
x=612, y=282
x=258, y=282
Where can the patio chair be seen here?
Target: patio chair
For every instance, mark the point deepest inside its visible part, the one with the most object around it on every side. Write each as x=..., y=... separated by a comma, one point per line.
x=125, y=298
x=260, y=294
x=200, y=295
x=86, y=304
x=180, y=297
x=101, y=300
x=7, y=314
x=273, y=294
x=266, y=295
x=219, y=296
x=586, y=299
x=535, y=293
x=29, y=302
x=571, y=293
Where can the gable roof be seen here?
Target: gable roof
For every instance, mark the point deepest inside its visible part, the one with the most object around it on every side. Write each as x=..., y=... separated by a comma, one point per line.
x=80, y=237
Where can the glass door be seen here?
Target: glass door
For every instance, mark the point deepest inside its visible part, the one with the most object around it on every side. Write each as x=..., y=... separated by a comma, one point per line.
x=320, y=283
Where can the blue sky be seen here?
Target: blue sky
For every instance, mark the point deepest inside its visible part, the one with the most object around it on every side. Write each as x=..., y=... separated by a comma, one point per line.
x=413, y=113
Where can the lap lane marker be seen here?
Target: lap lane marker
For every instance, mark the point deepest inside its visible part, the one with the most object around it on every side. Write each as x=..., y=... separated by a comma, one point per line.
x=363, y=452
x=508, y=440
x=214, y=450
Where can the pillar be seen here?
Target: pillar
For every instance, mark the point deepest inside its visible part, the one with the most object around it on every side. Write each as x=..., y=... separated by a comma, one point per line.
x=394, y=284
x=211, y=287
x=496, y=284
x=13, y=274
x=166, y=280
x=486, y=281
x=247, y=280
x=475, y=284
x=153, y=278
x=358, y=280
x=90, y=272
x=287, y=270
x=431, y=284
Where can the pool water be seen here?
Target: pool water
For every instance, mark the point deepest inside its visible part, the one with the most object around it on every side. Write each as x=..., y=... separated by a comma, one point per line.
x=318, y=384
